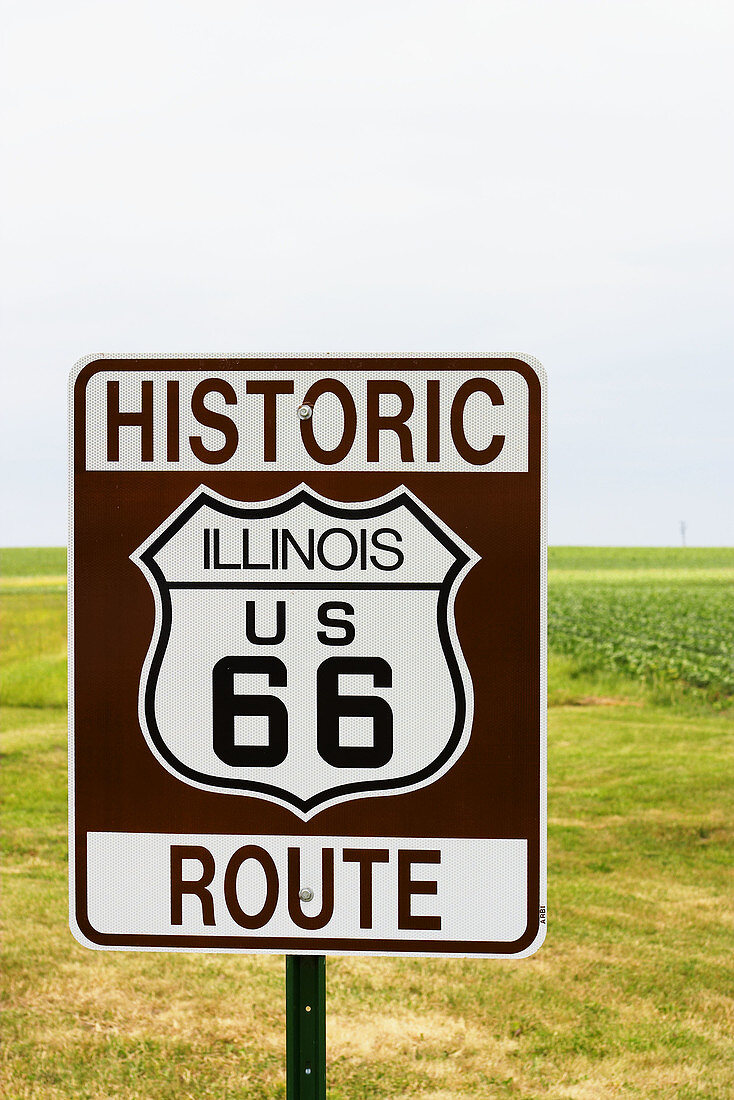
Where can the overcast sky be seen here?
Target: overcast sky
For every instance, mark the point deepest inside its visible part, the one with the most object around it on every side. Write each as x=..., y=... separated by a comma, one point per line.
x=553, y=178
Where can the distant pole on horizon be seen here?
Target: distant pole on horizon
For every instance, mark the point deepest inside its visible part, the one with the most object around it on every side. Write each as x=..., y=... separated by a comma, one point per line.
x=683, y=526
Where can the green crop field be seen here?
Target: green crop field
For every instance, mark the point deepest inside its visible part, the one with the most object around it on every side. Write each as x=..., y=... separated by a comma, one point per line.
x=631, y=994
x=662, y=617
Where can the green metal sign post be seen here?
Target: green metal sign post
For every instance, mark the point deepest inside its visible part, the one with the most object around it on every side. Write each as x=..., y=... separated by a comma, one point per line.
x=305, y=1014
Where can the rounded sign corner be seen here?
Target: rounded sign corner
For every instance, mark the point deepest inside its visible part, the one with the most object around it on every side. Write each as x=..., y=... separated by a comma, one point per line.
x=86, y=937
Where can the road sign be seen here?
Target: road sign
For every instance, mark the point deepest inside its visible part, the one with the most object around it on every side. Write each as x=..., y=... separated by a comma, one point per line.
x=308, y=638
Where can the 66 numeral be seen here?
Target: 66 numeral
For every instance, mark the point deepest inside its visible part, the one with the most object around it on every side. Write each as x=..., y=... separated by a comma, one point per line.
x=330, y=707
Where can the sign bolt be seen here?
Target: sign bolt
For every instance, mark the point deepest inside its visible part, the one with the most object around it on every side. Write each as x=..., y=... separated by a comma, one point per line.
x=305, y=893
x=305, y=412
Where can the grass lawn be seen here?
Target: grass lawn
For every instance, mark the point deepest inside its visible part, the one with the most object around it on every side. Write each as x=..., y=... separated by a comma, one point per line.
x=630, y=996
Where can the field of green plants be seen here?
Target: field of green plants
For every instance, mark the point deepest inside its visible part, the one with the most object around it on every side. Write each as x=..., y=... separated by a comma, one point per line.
x=663, y=616
x=632, y=993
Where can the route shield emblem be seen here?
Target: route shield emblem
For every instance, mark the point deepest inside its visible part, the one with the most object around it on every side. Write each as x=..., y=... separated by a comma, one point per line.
x=304, y=649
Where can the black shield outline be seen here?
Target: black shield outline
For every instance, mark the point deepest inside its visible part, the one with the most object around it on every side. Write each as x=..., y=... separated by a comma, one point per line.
x=401, y=498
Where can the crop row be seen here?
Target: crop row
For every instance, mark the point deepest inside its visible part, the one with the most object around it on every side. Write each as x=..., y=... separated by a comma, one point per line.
x=664, y=634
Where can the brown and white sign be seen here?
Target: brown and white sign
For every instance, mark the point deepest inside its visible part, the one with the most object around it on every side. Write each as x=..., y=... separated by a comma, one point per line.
x=308, y=637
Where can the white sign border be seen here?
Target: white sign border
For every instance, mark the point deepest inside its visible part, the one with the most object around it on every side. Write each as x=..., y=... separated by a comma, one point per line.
x=537, y=367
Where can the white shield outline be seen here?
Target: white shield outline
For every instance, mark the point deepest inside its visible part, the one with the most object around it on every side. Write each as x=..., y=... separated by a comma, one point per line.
x=401, y=497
